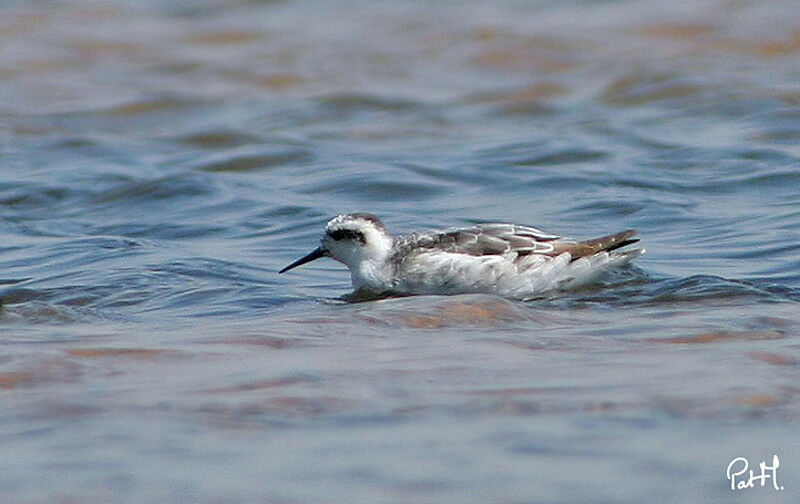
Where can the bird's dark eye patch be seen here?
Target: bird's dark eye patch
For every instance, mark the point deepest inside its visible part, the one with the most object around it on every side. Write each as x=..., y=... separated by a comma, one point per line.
x=347, y=234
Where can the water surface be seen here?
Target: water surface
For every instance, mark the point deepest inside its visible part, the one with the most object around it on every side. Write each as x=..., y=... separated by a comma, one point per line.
x=162, y=160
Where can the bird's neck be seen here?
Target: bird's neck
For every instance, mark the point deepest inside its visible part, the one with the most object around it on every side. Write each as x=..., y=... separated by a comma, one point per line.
x=377, y=271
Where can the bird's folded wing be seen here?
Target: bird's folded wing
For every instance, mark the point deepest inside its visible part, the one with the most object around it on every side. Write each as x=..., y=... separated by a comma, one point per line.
x=483, y=239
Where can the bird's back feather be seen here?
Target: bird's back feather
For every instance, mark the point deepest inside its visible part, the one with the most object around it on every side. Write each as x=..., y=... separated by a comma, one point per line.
x=514, y=261
x=480, y=240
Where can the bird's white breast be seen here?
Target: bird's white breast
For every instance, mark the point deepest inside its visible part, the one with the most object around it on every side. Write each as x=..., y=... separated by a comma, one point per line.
x=437, y=272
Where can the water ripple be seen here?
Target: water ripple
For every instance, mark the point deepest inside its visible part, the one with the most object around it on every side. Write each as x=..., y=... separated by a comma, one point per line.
x=161, y=160
x=698, y=288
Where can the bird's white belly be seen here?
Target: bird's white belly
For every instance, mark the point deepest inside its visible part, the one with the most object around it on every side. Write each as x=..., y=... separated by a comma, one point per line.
x=447, y=273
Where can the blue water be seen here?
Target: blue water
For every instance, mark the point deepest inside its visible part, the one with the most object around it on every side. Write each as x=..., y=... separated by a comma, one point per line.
x=161, y=161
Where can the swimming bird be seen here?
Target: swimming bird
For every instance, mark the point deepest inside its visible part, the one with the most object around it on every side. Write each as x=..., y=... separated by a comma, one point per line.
x=506, y=259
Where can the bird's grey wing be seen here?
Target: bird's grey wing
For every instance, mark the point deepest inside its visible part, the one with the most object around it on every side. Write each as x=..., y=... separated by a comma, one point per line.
x=481, y=240
x=498, y=239
x=525, y=240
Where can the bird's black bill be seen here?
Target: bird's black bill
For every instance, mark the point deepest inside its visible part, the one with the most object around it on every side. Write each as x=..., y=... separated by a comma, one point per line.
x=316, y=254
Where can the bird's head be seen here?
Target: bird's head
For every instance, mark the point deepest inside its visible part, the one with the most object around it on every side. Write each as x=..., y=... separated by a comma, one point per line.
x=351, y=239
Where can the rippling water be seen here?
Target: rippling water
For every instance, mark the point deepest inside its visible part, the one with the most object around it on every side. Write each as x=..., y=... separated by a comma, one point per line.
x=161, y=160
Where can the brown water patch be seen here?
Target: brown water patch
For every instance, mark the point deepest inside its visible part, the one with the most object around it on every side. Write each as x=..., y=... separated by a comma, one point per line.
x=46, y=371
x=104, y=47
x=218, y=139
x=550, y=345
x=774, y=321
x=481, y=314
x=278, y=82
x=775, y=359
x=244, y=163
x=136, y=353
x=760, y=400
x=260, y=385
x=720, y=336
x=777, y=49
x=514, y=391
x=37, y=66
x=790, y=97
x=276, y=342
x=769, y=49
x=534, y=92
x=216, y=38
x=15, y=379
x=642, y=89
x=62, y=409
x=602, y=407
x=514, y=53
x=680, y=31
x=519, y=59
x=25, y=21
x=143, y=107
x=297, y=406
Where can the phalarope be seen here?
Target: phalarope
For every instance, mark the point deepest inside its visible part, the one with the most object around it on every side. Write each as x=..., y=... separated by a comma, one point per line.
x=505, y=259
